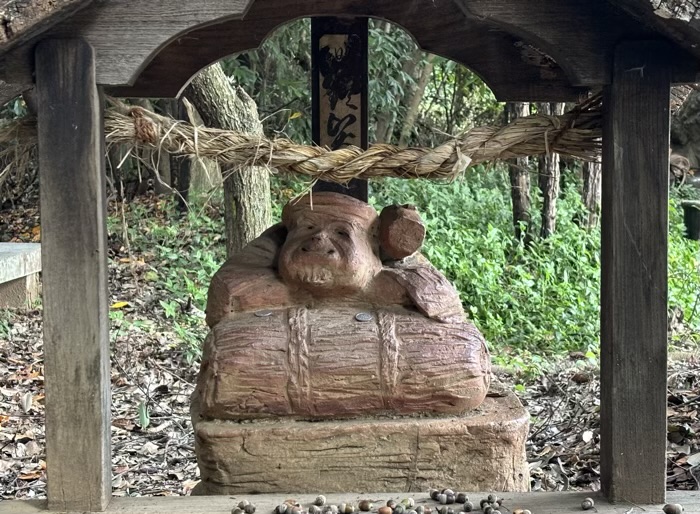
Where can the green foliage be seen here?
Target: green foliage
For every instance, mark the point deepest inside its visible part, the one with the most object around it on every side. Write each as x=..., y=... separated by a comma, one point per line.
x=529, y=301
x=277, y=75
x=183, y=254
x=683, y=268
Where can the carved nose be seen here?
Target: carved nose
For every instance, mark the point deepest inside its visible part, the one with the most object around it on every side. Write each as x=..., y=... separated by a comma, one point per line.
x=320, y=244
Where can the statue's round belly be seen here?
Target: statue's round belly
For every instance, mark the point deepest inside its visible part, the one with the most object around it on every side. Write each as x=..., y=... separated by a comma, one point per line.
x=340, y=361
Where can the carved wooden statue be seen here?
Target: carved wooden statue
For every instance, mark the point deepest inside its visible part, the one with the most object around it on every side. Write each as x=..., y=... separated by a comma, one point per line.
x=334, y=313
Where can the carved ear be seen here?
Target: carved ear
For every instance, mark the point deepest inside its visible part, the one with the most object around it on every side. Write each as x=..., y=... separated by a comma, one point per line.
x=401, y=232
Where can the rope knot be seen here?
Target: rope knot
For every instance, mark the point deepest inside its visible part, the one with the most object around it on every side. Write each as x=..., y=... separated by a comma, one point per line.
x=145, y=129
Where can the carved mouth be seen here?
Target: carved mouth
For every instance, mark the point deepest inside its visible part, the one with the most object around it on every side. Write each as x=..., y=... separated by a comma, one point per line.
x=315, y=275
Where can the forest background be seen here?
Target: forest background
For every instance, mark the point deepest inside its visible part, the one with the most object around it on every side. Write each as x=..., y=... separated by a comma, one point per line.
x=520, y=240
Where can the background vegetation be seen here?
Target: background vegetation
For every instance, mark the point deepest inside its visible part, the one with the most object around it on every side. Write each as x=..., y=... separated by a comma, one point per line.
x=534, y=299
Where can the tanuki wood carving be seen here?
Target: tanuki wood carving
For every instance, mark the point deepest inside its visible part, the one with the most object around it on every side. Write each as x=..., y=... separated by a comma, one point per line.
x=334, y=313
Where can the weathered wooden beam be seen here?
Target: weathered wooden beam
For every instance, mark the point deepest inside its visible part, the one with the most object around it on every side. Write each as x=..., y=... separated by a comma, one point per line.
x=512, y=70
x=125, y=34
x=539, y=502
x=634, y=274
x=339, y=92
x=22, y=20
x=74, y=245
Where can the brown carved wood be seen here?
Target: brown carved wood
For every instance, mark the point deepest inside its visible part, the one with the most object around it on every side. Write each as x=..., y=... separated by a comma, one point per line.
x=74, y=259
x=502, y=60
x=634, y=274
x=326, y=363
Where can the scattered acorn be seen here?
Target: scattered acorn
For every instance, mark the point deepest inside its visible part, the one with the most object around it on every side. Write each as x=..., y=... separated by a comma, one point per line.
x=450, y=510
x=673, y=508
x=391, y=504
x=434, y=494
x=346, y=508
x=468, y=506
x=450, y=499
x=314, y=509
x=411, y=512
x=442, y=509
x=427, y=509
x=243, y=504
x=320, y=500
x=384, y=510
x=526, y=511
x=442, y=498
x=461, y=498
x=399, y=509
x=249, y=509
x=587, y=504
x=281, y=508
x=236, y=510
x=420, y=509
x=365, y=505
x=483, y=502
x=448, y=491
x=488, y=509
x=409, y=503
x=492, y=498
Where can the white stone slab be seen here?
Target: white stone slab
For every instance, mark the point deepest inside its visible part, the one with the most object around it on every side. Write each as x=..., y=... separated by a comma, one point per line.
x=18, y=260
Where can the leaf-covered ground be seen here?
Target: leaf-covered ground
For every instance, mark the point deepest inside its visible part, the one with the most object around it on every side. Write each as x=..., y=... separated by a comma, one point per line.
x=153, y=371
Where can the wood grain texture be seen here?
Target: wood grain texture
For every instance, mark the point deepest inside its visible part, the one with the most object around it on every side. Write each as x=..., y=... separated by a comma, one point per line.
x=74, y=259
x=499, y=58
x=339, y=91
x=22, y=20
x=634, y=274
x=127, y=33
x=538, y=502
x=400, y=454
x=322, y=362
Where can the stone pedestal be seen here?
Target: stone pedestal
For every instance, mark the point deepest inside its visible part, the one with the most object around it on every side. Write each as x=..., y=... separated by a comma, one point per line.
x=482, y=450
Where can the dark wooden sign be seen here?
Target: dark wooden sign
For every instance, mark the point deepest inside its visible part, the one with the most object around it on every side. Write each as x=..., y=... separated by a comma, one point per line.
x=339, y=90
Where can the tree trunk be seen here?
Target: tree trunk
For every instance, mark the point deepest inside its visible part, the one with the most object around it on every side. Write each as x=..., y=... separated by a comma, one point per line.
x=548, y=177
x=591, y=192
x=246, y=189
x=415, y=99
x=519, y=179
x=386, y=121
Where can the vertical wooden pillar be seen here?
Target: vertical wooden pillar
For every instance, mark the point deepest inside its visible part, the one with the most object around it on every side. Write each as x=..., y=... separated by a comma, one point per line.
x=339, y=90
x=74, y=259
x=634, y=274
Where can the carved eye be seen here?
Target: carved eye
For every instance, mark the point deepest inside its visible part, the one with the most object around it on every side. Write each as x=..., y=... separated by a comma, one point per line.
x=310, y=227
x=343, y=233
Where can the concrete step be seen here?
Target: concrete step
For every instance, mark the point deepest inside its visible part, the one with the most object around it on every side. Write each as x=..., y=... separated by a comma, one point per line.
x=20, y=264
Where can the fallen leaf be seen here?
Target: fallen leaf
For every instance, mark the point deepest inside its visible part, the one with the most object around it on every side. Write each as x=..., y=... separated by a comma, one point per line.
x=30, y=476
x=26, y=402
x=119, y=305
x=587, y=436
x=149, y=448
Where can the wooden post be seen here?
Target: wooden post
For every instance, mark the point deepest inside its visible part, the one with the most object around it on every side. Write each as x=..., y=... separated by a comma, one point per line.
x=339, y=90
x=634, y=274
x=74, y=259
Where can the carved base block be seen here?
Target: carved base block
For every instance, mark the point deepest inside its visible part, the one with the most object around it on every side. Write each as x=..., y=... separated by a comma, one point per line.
x=483, y=450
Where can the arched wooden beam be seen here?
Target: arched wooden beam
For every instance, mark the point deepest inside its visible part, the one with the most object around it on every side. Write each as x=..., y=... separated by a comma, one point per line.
x=580, y=36
x=504, y=62
x=124, y=34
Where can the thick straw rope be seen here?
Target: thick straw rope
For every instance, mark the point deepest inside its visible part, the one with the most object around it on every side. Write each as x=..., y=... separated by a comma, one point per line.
x=576, y=133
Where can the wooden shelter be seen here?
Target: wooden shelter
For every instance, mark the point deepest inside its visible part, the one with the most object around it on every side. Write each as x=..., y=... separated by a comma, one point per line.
x=71, y=51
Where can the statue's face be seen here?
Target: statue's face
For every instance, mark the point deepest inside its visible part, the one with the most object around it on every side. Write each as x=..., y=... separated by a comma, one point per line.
x=329, y=253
